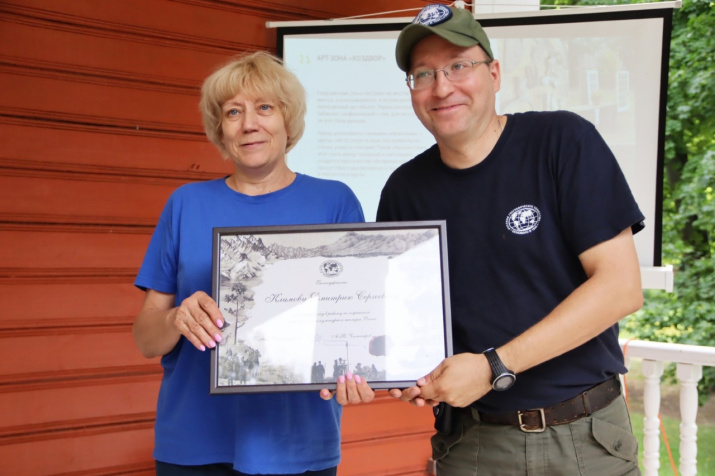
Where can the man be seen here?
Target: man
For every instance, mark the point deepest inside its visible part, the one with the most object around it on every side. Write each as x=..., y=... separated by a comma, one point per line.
x=540, y=225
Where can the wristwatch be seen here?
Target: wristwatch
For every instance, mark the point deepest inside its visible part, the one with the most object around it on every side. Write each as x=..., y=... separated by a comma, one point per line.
x=502, y=377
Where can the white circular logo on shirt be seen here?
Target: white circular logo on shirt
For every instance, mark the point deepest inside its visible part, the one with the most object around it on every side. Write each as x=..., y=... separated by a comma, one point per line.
x=433, y=15
x=523, y=219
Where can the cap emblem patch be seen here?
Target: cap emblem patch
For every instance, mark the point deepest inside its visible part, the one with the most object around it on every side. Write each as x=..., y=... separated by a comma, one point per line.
x=433, y=15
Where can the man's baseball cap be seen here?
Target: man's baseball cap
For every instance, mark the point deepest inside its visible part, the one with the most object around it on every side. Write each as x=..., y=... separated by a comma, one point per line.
x=456, y=25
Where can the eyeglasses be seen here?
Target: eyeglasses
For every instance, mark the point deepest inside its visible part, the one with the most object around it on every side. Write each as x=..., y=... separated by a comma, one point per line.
x=424, y=78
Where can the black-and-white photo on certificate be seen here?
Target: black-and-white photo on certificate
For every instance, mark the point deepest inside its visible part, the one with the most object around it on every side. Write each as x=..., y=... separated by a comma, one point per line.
x=304, y=305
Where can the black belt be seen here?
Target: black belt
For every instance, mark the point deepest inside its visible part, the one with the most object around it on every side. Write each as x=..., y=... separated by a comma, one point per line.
x=536, y=420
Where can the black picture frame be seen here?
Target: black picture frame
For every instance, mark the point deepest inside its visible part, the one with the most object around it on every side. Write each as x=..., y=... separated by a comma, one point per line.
x=368, y=298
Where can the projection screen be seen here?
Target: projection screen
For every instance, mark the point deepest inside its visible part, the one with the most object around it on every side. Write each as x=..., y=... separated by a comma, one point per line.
x=608, y=66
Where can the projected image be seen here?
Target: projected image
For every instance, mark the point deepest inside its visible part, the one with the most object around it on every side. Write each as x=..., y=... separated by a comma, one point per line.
x=534, y=75
x=585, y=75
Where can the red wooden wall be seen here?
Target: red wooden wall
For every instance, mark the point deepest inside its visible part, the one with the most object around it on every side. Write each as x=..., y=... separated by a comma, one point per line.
x=98, y=124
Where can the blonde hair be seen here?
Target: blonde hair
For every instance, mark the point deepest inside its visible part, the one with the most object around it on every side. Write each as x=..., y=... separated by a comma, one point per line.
x=254, y=74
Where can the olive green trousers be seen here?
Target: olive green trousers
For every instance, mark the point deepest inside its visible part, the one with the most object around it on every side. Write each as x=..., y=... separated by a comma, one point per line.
x=598, y=445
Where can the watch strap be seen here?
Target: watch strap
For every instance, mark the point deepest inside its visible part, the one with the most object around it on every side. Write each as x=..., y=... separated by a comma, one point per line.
x=495, y=363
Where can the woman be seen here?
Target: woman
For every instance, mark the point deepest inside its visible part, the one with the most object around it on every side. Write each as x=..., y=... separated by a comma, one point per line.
x=253, y=111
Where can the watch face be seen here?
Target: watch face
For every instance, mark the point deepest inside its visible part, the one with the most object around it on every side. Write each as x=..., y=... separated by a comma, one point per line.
x=504, y=381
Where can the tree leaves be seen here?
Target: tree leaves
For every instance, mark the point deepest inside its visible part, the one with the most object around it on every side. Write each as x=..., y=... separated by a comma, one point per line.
x=688, y=314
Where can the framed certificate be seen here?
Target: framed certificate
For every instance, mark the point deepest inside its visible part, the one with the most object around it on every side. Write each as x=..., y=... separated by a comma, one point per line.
x=303, y=305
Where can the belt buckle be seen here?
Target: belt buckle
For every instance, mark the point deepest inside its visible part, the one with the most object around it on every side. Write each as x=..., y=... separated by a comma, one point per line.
x=537, y=430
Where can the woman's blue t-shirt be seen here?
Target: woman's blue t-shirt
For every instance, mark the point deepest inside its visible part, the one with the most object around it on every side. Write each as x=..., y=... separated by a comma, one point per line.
x=258, y=433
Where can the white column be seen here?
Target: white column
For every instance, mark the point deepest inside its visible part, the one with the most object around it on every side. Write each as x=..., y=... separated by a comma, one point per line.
x=688, y=375
x=652, y=370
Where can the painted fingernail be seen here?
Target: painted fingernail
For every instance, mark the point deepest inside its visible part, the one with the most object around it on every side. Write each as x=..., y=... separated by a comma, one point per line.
x=358, y=379
x=349, y=375
x=341, y=379
x=217, y=337
x=219, y=323
x=212, y=344
x=202, y=348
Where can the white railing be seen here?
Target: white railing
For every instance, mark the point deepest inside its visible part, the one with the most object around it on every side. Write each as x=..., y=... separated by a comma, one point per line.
x=690, y=360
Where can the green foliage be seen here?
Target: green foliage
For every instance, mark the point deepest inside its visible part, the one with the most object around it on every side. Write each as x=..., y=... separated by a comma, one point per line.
x=688, y=314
